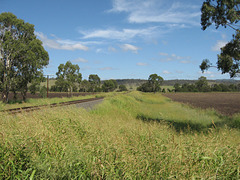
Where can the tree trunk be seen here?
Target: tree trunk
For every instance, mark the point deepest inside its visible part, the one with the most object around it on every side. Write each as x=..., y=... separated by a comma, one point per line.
x=14, y=95
x=5, y=96
x=24, y=95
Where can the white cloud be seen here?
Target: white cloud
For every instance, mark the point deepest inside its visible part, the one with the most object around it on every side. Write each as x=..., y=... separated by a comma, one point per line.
x=219, y=45
x=112, y=49
x=142, y=11
x=185, y=61
x=60, y=44
x=122, y=35
x=80, y=60
x=166, y=72
x=163, y=54
x=99, y=50
x=142, y=64
x=106, y=68
x=179, y=72
x=210, y=74
x=174, y=57
x=129, y=47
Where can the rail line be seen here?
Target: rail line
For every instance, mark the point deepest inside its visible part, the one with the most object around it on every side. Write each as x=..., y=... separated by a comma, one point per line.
x=33, y=108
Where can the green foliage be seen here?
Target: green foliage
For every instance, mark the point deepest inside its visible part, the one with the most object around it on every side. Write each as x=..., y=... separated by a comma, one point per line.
x=67, y=75
x=202, y=86
x=109, y=85
x=84, y=86
x=220, y=13
x=205, y=65
x=35, y=85
x=229, y=59
x=22, y=55
x=43, y=92
x=152, y=85
x=122, y=87
x=95, y=82
x=224, y=13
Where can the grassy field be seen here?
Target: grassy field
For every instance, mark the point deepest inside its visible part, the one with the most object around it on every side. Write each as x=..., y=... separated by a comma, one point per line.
x=128, y=136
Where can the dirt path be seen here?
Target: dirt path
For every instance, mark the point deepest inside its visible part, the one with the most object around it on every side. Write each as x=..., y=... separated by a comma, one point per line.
x=89, y=105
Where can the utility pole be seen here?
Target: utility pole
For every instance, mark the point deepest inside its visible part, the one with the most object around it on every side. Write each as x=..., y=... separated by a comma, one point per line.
x=48, y=82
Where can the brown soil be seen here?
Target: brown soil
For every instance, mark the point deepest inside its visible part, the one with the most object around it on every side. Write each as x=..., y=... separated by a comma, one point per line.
x=224, y=103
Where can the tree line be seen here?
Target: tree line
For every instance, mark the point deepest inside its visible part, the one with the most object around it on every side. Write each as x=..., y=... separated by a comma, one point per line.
x=69, y=79
x=202, y=86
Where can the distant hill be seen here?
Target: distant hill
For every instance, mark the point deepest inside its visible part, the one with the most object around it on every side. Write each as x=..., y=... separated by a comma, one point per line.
x=138, y=82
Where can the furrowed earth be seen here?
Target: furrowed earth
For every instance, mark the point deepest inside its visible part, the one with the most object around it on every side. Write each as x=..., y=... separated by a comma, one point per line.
x=224, y=103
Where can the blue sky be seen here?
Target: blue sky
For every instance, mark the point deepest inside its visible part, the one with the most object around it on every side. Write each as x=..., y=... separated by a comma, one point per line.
x=120, y=39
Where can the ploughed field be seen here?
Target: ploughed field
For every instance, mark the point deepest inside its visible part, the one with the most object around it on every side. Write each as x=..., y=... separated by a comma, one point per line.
x=224, y=103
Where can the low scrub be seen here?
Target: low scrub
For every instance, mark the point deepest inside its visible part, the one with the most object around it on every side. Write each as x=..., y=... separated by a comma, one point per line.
x=128, y=136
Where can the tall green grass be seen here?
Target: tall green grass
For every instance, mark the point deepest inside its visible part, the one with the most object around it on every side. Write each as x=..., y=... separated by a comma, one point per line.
x=130, y=136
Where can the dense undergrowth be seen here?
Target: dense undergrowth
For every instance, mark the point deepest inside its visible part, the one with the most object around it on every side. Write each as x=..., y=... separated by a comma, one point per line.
x=128, y=136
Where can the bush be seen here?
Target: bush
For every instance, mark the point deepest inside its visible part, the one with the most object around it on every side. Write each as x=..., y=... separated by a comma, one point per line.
x=43, y=92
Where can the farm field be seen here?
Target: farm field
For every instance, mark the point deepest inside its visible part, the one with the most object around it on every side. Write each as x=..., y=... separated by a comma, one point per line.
x=127, y=136
x=224, y=103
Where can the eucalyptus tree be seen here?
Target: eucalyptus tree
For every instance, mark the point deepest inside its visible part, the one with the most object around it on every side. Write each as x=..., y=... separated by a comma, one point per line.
x=155, y=82
x=109, y=85
x=152, y=85
x=95, y=82
x=22, y=56
x=68, y=76
x=84, y=86
x=224, y=13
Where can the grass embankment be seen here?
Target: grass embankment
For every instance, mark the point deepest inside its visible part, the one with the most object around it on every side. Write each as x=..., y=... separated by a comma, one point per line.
x=131, y=136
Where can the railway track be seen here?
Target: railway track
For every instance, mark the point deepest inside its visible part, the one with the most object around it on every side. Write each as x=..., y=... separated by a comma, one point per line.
x=33, y=108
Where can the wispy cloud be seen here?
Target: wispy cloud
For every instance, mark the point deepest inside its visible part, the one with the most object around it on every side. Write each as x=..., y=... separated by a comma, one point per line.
x=122, y=35
x=209, y=74
x=60, y=44
x=106, y=68
x=166, y=72
x=163, y=54
x=219, y=45
x=173, y=57
x=129, y=47
x=142, y=64
x=112, y=49
x=185, y=61
x=80, y=60
x=179, y=72
x=160, y=11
